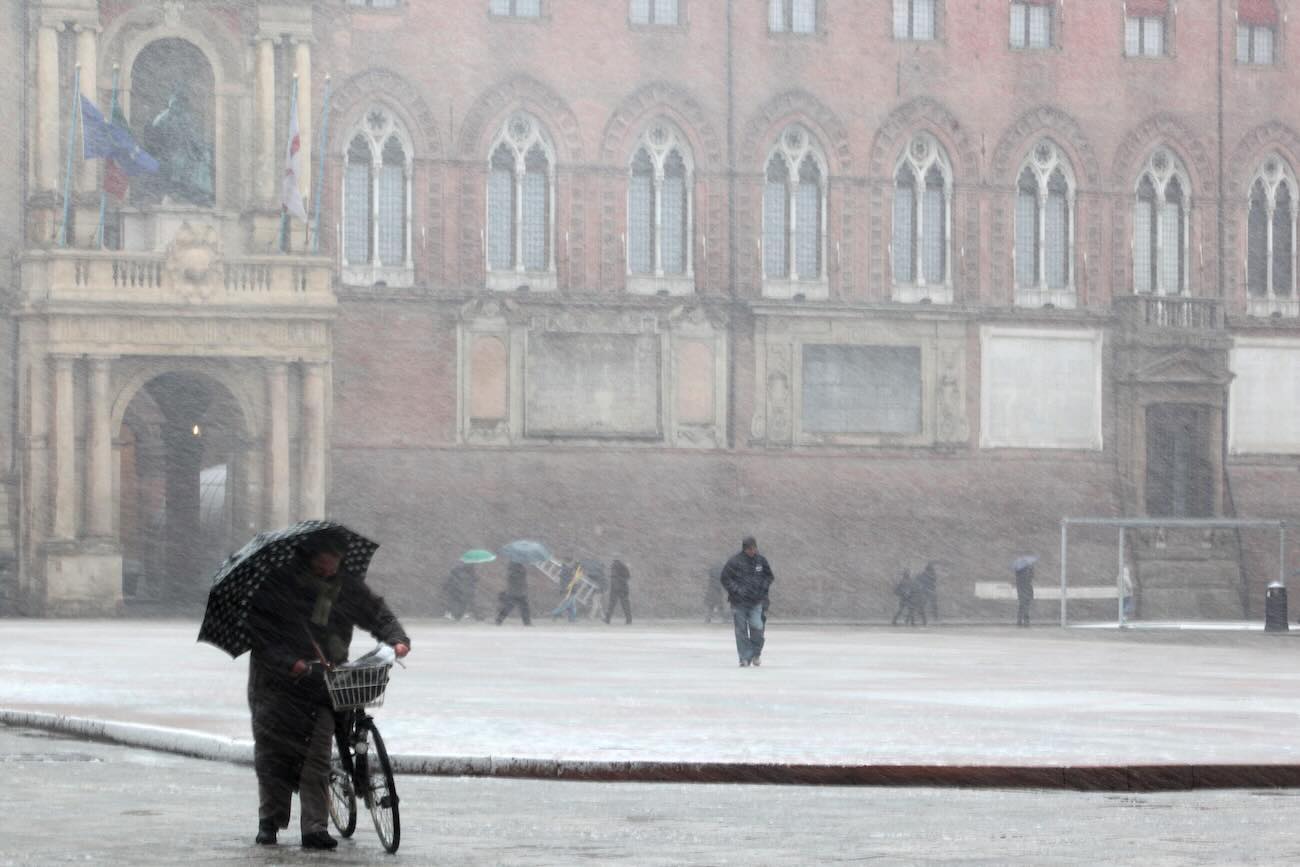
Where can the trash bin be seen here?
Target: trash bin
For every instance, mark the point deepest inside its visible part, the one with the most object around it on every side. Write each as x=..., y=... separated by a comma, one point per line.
x=1275, y=608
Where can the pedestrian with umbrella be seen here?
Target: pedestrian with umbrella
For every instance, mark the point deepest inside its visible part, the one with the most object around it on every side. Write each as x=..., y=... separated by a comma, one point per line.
x=293, y=598
x=520, y=554
x=1023, y=567
x=462, y=585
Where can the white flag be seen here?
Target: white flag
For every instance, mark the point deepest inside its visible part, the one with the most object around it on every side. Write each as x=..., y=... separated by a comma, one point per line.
x=290, y=195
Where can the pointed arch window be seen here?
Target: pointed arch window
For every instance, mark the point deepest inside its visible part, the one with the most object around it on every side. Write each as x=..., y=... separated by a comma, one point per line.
x=1271, y=239
x=1031, y=23
x=659, y=212
x=520, y=206
x=922, y=222
x=794, y=215
x=1161, y=227
x=376, y=210
x=1044, y=249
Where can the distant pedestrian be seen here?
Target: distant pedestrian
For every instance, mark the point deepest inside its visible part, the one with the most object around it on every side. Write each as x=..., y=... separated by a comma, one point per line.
x=908, y=591
x=1024, y=569
x=516, y=593
x=569, y=572
x=928, y=580
x=747, y=578
x=461, y=588
x=619, y=591
x=713, y=594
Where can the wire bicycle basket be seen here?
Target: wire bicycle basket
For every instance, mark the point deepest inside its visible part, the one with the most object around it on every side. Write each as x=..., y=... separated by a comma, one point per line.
x=353, y=687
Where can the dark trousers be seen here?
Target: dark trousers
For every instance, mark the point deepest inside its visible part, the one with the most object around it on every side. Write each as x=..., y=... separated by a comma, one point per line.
x=508, y=603
x=1025, y=601
x=623, y=597
x=275, y=795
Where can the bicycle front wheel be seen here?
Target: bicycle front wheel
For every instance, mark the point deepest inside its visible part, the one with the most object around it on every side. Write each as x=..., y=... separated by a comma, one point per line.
x=343, y=800
x=381, y=794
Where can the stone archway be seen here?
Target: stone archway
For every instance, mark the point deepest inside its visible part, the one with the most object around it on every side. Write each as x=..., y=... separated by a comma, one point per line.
x=185, y=492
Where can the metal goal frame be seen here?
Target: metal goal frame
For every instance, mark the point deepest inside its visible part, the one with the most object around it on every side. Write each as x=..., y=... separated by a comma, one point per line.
x=1123, y=524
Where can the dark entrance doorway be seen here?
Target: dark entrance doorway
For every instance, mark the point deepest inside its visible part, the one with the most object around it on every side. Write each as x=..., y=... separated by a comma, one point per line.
x=1179, y=478
x=183, y=467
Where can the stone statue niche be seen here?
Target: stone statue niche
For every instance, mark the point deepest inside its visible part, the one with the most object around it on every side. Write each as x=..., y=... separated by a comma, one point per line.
x=172, y=110
x=184, y=153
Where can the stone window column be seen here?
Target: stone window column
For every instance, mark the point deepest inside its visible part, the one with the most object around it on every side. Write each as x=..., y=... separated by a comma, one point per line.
x=265, y=107
x=99, y=452
x=65, y=449
x=313, y=439
x=277, y=392
x=47, y=107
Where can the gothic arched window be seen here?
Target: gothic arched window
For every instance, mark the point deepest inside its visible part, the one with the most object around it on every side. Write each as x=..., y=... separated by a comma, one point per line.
x=659, y=205
x=922, y=218
x=1271, y=233
x=1161, y=226
x=520, y=201
x=1044, y=225
x=376, y=215
x=794, y=209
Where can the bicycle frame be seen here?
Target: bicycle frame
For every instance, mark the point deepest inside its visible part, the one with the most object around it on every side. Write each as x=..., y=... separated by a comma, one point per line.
x=350, y=732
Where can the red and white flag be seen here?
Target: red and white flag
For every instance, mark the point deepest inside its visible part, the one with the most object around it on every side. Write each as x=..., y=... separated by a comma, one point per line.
x=290, y=195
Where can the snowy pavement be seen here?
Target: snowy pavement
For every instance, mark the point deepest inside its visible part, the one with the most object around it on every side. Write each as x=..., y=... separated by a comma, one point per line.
x=70, y=802
x=672, y=692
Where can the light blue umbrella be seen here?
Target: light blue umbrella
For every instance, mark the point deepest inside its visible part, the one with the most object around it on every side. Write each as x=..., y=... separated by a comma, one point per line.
x=525, y=551
x=1023, y=562
x=477, y=555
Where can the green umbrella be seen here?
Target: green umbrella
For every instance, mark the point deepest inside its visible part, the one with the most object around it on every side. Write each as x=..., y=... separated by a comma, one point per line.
x=478, y=555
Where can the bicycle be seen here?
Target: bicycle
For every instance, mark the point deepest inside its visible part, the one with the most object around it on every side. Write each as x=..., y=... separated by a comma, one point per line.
x=361, y=767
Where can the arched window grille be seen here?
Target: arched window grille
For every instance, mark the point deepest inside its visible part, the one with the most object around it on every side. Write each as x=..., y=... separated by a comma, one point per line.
x=1271, y=232
x=659, y=205
x=794, y=209
x=376, y=216
x=521, y=172
x=922, y=215
x=1161, y=227
x=1044, y=249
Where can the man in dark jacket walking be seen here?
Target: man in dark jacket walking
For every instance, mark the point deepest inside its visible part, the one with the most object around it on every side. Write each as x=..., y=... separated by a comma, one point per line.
x=304, y=614
x=619, y=576
x=516, y=593
x=746, y=578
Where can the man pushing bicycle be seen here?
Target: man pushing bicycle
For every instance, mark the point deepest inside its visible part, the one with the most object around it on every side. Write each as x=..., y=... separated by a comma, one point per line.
x=304, y=613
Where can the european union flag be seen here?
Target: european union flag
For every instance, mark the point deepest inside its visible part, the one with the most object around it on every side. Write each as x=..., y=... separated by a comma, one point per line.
x=104, y=140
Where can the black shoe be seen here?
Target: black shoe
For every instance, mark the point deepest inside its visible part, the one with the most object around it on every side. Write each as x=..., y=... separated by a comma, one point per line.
x=266, y=833
x=319, y=840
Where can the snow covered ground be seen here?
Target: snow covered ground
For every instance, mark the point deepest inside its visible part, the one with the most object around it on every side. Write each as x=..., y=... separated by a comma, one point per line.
x=673, y=692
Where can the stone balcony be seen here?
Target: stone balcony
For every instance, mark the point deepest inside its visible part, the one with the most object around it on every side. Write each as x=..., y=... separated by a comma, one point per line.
x=196, y=275
x=1170, y=313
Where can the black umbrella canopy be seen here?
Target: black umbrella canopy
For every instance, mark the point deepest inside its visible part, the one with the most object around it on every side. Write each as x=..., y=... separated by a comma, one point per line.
x=225, y=619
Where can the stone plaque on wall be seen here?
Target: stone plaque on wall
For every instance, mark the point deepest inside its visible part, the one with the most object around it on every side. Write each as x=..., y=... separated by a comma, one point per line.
x=489, y=378
x=1041, y=389
x=861, y=389
x=592, y=385
x=695, y=382
x=1264, y=401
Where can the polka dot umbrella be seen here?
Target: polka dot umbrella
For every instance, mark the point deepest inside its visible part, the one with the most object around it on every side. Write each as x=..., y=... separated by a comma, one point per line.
x=225, y=619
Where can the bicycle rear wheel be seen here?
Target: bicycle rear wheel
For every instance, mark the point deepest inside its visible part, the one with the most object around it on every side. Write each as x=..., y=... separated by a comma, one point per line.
x=381, y=794
x=343, y=800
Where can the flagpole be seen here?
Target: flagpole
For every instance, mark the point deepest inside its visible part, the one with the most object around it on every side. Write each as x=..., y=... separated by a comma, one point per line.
x=284, y=210
x=323, y=145
x=103, y=193
x=72, y=144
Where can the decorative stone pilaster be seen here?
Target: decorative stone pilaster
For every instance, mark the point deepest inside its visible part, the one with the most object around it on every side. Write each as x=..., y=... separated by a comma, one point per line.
x=99, y=453
x=313, y=440
x=277, y=391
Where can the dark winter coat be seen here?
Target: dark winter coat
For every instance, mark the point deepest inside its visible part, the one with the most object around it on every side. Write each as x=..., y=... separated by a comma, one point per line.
x=619, y=576
x=1025, y=583
x=284, y=708
x=517, y=580
x=747, y=579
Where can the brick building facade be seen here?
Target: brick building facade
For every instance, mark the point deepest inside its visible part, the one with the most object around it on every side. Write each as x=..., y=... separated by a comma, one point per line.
x=879, y=282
